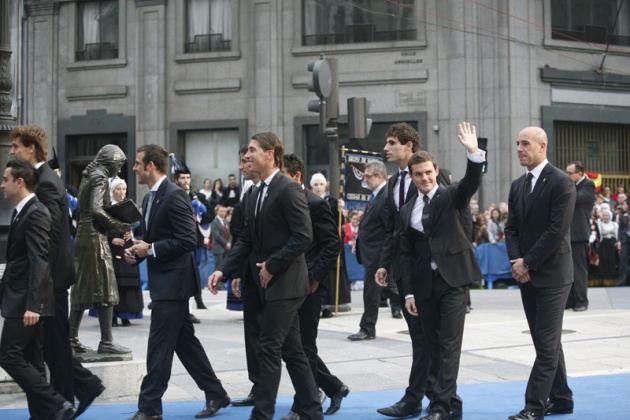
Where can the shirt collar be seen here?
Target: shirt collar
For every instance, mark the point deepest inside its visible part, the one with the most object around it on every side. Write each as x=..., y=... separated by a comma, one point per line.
x=270, y=177
x=538, y=169
x=158, y=183
x=432, y=192
x=379, y=188
x=22, y=203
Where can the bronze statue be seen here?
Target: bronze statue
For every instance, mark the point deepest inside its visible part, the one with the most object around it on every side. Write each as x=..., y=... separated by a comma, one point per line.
x=96, y=281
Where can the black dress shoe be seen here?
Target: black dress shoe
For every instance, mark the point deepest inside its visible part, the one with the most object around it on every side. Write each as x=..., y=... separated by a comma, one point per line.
x=291, y=415
x=213, y=407
x=527, y=415
x=87, y=401
x=559, y=407
x=435, y=416
x=335, y=401
x=361, y=335
x=150, y=305
x=194, y=319
x=245, y=402
x=396, y=314
x=66, y=412
x=141, y=416
x=327, y=313
x=401, y=410
x=580, y=308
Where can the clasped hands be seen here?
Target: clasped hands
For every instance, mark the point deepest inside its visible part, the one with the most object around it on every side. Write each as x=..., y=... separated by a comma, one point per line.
x=519, y=271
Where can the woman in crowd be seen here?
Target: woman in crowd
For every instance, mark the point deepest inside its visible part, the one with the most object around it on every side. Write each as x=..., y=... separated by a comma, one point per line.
x=206, y=190
x=482, y=231
x=130, y=303
x=607, y=235
x=351, y=229
x=495, y=226
x=217, y=193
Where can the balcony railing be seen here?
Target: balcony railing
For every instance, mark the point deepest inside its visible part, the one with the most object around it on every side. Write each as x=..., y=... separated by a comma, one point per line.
x=98, y=51
x=360, y=33
x=208, y=43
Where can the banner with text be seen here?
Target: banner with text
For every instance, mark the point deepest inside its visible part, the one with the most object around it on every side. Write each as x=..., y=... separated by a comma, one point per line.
x=355, y=191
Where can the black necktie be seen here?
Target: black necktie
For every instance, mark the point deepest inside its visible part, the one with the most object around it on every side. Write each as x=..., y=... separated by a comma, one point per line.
x=425, y=214
x=528, y=184
x=260, y=198
x=401, y=189
x=13, y=215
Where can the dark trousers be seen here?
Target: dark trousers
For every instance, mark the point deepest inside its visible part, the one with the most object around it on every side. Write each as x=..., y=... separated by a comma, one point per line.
x=21, y=358
x=579, y=288
x=422, y=374
x=280, y=339
x=544, y=309
x=309, y=314
x=58, y=355
x=372, y=299
x=172, y=332
x=623, y=264
x=443, y=316
x=252, y=310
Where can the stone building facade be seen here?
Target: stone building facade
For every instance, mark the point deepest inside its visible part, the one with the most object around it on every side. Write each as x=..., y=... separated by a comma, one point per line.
x=201, y=76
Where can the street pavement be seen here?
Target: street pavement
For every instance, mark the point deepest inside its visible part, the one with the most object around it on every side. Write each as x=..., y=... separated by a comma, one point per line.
x=497, y=347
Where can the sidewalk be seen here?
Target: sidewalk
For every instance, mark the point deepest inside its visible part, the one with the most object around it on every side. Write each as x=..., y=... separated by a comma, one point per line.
x=497, y=347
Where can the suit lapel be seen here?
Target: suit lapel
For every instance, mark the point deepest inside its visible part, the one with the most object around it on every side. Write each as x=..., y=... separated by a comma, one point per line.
x=157, y=200
x=17, y=221
x=541, y=184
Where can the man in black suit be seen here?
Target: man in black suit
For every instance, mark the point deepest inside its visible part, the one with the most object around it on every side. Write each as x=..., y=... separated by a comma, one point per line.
x=540, y=211
x=623, y=244
x=402, y=141
x=277, y=232
x=26, y=293
x=252, y=305
x=203, y=214
x=321, y=257
x=369, y=247
x=169, y=246
x=580, y=233
x=67, y=375
x=438, y=265
x=231, y=193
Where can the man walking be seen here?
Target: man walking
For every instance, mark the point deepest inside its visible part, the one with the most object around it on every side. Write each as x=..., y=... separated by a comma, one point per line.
x=369, y=247
x=67, y=375
x=276, y=234
x=540, y=210
x=26, y=294
x=439, y=264
x=169, y=245
x=402, y=141
x=580, y=233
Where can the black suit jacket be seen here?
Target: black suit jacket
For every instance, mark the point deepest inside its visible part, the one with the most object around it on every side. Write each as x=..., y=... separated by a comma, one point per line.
x=321, y=254
x=584, y=202
x=173, y=271
x=622, y=231
x=279, y=239
x=451, y=249
x=538, y=228
x=26, y=283
x=51, y=192
x=391, y=245
x=372, y=230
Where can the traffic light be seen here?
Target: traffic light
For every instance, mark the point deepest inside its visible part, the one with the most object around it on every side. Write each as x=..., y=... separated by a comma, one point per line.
x=359, y=124
x=325, y=85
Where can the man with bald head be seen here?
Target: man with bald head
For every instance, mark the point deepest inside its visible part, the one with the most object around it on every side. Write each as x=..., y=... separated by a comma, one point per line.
x=540, y=211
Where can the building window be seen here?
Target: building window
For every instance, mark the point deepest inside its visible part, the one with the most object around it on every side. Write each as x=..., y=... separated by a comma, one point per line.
x=592, y=21
x=97, y=34
x=355, y=21
x=208, y=26
x=211, y=154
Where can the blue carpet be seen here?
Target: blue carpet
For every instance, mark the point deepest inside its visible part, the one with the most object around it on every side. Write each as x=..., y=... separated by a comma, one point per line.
x=596, y=397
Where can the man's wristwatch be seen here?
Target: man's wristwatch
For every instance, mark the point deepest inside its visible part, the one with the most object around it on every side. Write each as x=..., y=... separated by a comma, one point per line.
x=524, y=263
x=150, y=250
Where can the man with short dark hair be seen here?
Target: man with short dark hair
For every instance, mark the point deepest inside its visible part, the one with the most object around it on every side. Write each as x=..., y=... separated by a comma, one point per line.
x=26, y=293
x=67, y=375
x=169, y=247
x=580, y=233
x=231, y=193
x=321, y=257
